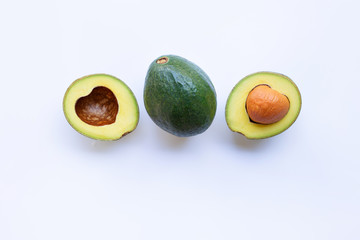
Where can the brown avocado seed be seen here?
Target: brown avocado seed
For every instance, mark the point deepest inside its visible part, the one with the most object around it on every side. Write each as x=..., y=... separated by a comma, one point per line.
x=265, y=105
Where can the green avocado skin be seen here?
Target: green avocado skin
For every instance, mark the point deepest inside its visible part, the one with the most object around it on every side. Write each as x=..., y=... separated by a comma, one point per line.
x=179, y=97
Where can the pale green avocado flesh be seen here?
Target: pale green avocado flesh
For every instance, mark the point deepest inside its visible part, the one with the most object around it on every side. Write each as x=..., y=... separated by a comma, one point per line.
x=101, y=107
x=235, y=112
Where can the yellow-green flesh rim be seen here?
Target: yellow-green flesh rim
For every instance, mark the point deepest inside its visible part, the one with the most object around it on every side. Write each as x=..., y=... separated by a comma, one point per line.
x=235, y=111
x=126, y=119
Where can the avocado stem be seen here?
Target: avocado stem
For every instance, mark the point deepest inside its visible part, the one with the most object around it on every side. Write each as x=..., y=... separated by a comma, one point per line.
x=162, y=60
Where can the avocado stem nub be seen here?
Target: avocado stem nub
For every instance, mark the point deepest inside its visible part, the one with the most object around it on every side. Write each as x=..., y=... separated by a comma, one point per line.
x=162, y=60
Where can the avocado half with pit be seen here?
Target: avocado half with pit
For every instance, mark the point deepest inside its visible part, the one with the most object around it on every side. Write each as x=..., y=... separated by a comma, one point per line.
x=101, y=107
x=262, y=105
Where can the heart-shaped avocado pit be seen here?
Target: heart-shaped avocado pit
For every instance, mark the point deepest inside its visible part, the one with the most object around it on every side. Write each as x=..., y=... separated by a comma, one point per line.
x=262, y=105
x=101, y=107
x=265, y=105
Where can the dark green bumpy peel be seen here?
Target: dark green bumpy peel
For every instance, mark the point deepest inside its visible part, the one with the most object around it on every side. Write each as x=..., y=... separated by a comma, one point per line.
x=179, y=96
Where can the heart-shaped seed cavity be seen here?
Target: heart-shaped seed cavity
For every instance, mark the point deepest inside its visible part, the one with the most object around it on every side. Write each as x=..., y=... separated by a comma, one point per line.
x=99, y=108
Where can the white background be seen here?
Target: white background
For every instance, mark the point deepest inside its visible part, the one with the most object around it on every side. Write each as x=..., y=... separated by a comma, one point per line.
x=57, y=184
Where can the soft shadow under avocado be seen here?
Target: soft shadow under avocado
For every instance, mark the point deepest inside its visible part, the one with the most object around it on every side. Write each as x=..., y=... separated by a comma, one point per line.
x=170, y=140
x=249, y=144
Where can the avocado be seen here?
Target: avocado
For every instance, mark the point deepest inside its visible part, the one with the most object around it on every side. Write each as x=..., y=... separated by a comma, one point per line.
x=101, y=107
x=262, y=105
x=179, y=97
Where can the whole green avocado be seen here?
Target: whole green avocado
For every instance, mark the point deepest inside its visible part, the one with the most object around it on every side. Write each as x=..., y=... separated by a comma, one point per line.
x=179, y=97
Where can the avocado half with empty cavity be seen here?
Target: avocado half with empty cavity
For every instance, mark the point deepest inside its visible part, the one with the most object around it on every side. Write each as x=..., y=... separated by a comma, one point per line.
x=101, y=107
x=262, y=105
